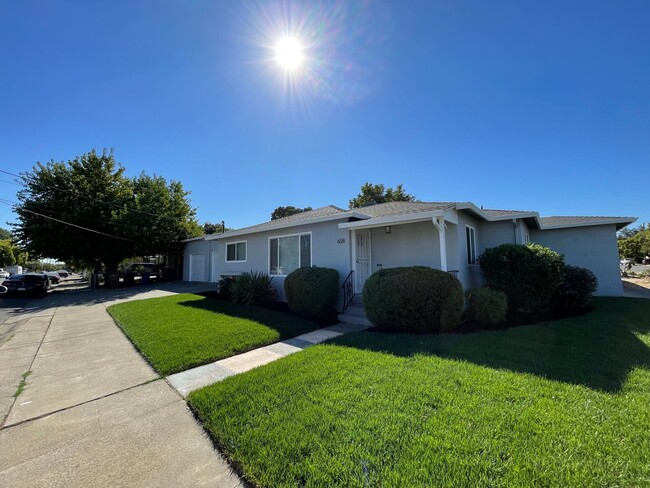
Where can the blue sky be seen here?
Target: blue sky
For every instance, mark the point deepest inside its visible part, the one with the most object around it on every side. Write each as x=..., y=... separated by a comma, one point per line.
x=510, y=104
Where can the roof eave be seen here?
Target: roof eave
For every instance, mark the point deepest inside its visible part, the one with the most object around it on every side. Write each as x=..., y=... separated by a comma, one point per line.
x=392, y=220
x=286, y=225
x=620, y=223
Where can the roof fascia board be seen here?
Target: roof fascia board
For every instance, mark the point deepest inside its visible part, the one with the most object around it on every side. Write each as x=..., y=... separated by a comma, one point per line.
x=392, y=220
x=626, y=221
x=285, y=225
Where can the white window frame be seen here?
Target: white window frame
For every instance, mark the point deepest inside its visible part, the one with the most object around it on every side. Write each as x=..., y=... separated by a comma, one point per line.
x=235, y=244
x=467, y=226
x=311, y=251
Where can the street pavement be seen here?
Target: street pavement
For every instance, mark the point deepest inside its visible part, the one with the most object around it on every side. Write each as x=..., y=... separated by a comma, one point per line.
x=92, y=412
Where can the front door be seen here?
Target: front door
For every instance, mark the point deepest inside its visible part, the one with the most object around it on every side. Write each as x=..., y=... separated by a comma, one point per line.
x=362, y=257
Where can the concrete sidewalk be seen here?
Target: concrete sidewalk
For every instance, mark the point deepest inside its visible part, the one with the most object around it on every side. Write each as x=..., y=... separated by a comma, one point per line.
x=93, y=412
x=187, y=381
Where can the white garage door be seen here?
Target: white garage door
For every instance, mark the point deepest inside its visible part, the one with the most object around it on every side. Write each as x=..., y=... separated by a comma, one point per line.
x=215, y=267
x=197, y=267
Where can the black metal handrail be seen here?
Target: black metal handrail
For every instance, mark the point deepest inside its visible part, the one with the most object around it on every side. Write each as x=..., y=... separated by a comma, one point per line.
x=348, y=290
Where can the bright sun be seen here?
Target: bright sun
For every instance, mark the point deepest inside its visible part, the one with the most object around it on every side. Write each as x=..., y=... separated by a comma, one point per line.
x=288, y=52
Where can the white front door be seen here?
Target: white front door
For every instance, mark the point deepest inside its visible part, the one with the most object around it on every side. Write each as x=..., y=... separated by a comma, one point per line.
x=363, y=266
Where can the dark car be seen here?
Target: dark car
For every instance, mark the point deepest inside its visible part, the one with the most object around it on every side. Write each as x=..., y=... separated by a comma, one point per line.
x=35, y=284
x=53, y=276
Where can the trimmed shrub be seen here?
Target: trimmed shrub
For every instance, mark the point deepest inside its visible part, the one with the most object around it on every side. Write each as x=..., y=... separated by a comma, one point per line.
x=313, y=292
x=528, y=275
x=417, y=299
x=486, y=306
x=224, y=287
x=253, y=288
x=576, y=289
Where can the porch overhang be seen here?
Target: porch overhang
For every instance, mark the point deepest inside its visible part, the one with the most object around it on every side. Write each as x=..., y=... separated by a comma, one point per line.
x=393, y=220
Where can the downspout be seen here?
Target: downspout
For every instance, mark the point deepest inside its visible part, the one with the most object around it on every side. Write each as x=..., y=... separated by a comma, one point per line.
x=439, y=223
x=515, y=226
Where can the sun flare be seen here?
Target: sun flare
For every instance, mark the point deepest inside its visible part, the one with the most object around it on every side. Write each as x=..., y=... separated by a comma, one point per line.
x=289, y=53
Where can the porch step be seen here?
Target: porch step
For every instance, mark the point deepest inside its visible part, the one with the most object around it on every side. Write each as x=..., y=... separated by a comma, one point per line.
x=357, y=301
x=354, y=319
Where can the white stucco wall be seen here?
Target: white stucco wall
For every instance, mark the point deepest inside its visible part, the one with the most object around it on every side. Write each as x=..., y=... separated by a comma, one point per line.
x=326, y=250
x=592, y=247
x=415, y=244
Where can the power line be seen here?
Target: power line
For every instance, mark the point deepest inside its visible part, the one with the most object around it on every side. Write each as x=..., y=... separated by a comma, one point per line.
x=90, y=198
x=68, y=223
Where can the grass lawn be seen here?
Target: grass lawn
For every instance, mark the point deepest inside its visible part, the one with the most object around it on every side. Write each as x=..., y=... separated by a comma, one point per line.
x=558, y=404
x=182, y=331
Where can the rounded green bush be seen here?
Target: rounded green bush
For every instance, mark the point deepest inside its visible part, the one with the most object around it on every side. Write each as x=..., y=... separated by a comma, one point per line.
x=313, y=292
x=486, y=306
x=417, y=299
x=576, y=289
x=528, y=275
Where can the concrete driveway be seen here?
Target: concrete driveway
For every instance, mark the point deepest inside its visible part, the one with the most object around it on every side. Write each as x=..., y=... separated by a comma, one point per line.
x=92, y=412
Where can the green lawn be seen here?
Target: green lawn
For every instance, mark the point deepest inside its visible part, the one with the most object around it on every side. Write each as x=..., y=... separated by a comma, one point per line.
x=558, y=404
x=182, y=331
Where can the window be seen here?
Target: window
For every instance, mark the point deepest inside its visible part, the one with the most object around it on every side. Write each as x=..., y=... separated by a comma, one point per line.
x=236, y=252
x=288, y=253
x=470, y=234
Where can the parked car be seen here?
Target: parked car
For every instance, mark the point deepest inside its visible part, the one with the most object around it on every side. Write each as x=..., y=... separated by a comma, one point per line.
x=54, y=277
x=627, y=262
x=62, y=273
x=32, y=283
x=4, y=274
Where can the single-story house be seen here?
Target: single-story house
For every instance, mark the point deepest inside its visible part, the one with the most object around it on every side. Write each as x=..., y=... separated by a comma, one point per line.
x=442, y=235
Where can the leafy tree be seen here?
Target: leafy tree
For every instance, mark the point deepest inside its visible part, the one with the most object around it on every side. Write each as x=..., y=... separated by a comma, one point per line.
x=631, y=231
x=637, y=246
x=281, y=212
x=7, y=257
x=5, y=235
x=210, y=228
x=371, y=194
x=88, y=211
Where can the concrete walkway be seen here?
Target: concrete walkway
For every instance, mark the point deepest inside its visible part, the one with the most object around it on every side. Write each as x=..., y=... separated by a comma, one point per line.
x=195, y=378
x=92, y=411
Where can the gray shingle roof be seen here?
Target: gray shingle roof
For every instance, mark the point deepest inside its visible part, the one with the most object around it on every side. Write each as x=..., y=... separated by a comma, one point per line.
x=294, y=219
x=570, y=221
x=399, y=208
x=503, y=213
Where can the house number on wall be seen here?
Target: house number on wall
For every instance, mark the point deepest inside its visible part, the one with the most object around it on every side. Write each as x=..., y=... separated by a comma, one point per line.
x=341, y=240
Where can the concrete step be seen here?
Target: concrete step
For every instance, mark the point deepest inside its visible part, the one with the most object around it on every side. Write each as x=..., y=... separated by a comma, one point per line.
x=355, y=310
x=354, y=319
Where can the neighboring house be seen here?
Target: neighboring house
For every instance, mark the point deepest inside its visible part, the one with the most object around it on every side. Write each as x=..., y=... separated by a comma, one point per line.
x=443, y=235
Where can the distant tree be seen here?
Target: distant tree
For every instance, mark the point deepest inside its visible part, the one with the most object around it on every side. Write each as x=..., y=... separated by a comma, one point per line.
x=5, y=235
x=210, y=228
x=88, y=211
x=631, y=231
x=371, y=194
x=281, y=212
x=7, y=257
x=635, y=247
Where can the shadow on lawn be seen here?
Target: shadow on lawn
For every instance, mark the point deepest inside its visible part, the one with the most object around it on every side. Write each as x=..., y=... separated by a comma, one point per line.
x=597, y=350
x=282, y=321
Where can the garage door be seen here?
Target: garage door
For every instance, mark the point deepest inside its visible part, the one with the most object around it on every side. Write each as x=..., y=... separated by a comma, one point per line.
x=214, y=275
x=197, y=267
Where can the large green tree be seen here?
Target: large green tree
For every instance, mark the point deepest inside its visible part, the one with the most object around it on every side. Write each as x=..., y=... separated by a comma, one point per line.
x=371, y=194
x=637, y=246
x=287, y=211
x=5, y=235
x=7, y=257
x=87, y=210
